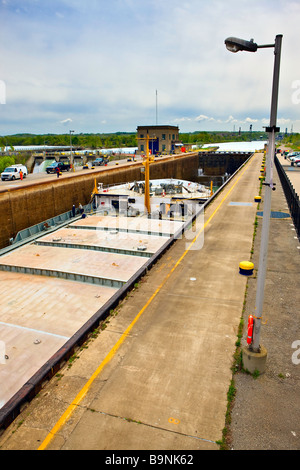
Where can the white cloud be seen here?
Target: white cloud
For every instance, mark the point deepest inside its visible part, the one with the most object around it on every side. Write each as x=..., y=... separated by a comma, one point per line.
x=202, y=117
x=250, y=120
x=65, y=121
x=183, y=119
x=231, y=119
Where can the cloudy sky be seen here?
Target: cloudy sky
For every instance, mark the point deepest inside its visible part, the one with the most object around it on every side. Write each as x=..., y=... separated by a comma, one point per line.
x=111, y=65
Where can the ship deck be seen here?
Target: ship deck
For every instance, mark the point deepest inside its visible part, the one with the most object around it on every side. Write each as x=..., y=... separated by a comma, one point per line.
x=52, y=286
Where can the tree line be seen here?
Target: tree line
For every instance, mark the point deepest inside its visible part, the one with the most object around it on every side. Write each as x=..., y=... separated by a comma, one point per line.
x=121, y=139
x=127, y=139
x=92, y=141
x=293, y=140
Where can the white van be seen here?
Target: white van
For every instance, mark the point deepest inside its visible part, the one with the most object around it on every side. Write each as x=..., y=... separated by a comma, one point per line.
x=13, y=172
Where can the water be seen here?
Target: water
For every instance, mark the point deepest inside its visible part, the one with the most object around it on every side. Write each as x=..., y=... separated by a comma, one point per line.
x=239, y=146
x=224, y=146
x=125, y=150
x=40, y=167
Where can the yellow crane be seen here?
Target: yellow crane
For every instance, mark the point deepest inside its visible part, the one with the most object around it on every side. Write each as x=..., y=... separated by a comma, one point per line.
x=147, y=160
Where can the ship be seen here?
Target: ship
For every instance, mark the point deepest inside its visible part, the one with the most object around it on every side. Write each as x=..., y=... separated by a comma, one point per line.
x=65, y=275
x=168, y=197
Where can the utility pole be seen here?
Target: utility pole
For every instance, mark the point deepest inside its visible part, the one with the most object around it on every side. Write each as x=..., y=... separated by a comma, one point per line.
x=72, y=160
x=255, y=355
x=262, y=268
x=156, y=107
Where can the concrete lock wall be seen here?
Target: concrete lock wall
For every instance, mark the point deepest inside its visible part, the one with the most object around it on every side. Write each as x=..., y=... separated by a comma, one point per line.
x=30, y=204
x=217, y=164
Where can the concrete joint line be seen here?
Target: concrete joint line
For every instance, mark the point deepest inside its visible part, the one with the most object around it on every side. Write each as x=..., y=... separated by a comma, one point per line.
x=160, y=428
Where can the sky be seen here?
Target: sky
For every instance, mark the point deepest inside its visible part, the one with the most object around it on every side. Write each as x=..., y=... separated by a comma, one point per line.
x=105, y=66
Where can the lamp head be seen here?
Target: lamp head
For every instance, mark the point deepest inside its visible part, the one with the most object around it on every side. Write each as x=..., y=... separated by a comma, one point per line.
x=236, y=45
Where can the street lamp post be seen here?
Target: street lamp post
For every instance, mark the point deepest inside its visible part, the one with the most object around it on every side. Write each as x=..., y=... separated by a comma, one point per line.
x=235, y=45
x=72, y=162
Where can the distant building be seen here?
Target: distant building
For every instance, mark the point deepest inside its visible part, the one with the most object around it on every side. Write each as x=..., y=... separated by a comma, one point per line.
x=162, y=139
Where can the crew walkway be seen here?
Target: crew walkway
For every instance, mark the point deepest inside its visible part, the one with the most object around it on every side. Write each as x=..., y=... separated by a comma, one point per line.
x=266, y=411
x=158, y=374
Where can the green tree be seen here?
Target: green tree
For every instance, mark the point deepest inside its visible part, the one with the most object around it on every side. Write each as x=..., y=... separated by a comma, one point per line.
x=5, y=162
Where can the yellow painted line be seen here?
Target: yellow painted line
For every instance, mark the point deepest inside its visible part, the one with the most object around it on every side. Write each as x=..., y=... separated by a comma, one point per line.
x=64, y=418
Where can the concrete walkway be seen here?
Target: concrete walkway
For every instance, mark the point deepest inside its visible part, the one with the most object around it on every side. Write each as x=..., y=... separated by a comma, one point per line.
x=266, y=412
x=157, y=377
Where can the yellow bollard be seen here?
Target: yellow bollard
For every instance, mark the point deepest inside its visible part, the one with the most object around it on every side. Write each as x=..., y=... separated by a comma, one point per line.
x=246, y=268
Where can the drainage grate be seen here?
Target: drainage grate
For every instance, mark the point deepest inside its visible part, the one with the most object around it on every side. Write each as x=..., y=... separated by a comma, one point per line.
x=241, y=204
x=276, y=215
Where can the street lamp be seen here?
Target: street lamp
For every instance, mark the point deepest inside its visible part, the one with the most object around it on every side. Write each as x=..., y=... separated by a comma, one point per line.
x=72, y=162
x=236, y=45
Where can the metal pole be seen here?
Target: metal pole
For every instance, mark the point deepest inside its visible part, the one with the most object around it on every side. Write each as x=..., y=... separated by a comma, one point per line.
x=262, y=267
x=156, y=107
x=72, y=163
x=147, y=178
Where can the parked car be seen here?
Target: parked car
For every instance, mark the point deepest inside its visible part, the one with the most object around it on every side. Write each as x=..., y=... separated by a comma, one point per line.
x=100, y=161
x=13, y=172
x=293, y=155
x=63, y=166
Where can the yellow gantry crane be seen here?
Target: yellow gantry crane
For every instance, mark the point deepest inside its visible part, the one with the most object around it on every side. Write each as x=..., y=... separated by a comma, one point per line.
x=147, y=160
